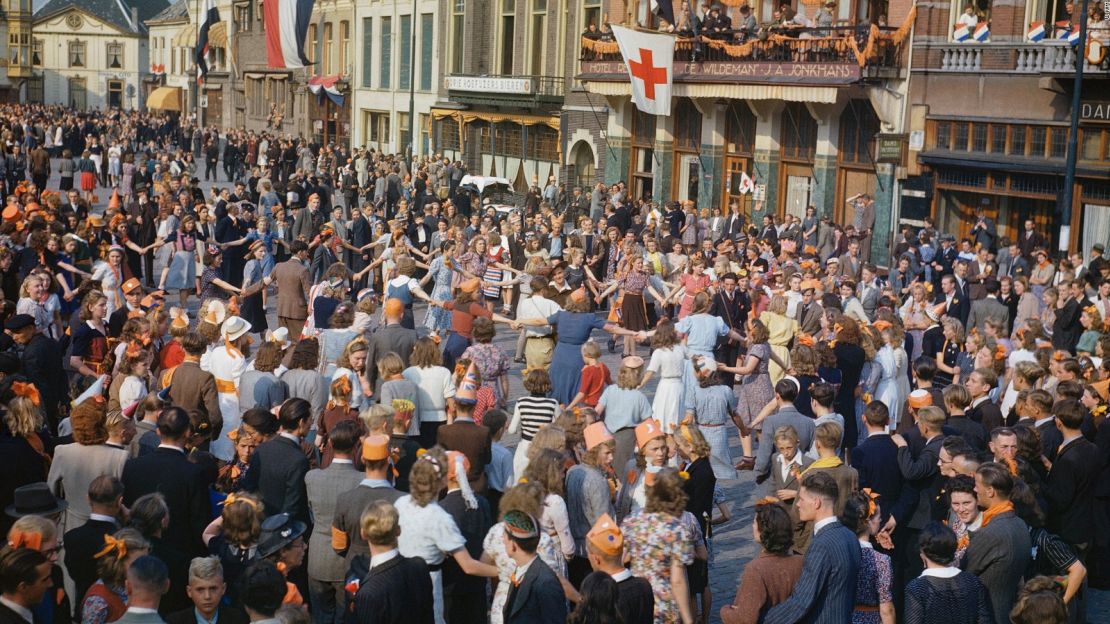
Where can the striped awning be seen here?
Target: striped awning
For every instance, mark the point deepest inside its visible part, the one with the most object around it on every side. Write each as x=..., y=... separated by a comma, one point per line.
x=217, y=35
x=186, y=37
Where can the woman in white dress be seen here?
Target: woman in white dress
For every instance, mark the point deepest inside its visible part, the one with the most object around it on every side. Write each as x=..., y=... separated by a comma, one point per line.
x=668, y=360
x=528, y=498
x=428, y=531
x=894, y=383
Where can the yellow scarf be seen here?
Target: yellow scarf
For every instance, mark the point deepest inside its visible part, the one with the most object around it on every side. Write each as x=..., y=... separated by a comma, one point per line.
x=824, y=462
x=990, y=514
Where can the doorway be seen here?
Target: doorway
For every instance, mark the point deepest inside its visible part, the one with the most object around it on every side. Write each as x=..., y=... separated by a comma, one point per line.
x=798, y=182
x=78, y=96
x=584, y=171
x=688, y=177
x=115, y=94
x=734, y=167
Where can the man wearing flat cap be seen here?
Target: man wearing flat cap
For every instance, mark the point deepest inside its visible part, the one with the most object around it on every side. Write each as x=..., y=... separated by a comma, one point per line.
x=41, y=363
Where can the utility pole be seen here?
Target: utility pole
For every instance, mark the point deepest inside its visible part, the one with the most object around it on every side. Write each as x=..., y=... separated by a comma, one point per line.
x=411, y=148
x=1073, y=134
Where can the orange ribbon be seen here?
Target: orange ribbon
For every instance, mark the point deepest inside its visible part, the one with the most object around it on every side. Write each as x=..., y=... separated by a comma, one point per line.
x=111, y=544
x=872, y=505
x=236, y=498
x=27, y=391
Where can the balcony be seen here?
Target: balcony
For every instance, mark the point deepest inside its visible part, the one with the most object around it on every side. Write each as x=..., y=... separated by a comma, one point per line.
x=1044, y=57
x=505, y=90
x=836, y=56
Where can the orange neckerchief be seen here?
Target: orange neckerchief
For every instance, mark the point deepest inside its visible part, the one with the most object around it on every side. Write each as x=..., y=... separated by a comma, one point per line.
x=989, y=514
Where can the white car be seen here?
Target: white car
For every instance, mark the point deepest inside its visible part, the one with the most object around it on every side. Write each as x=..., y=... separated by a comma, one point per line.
x=491, y=191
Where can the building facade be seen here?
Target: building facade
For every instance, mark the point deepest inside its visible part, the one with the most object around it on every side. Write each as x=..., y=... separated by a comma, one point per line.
x=94, y=53
x=171, y=62
x=16, y=58
x=991, y=125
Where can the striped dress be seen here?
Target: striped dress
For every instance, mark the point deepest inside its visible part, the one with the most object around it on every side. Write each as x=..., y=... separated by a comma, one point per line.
x=529, y=416
x=493, y=274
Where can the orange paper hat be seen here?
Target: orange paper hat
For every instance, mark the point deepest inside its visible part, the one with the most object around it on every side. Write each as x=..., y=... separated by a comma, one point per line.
x=936, y=311
x=468, y=389
x=594, y=434
x=646, y=432
x=114, y=203
x=920, y=398
x=130, y=285
x=375, y=448
x=606, y=536
x=578, y=295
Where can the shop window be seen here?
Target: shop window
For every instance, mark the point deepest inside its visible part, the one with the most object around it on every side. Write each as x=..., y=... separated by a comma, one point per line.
x=1059, y=144
x=979, y=138
x=740, y=128
x=944, y=135
x=858, y=127
x=1037, y=136
x=1017, y=140
x=799, y=133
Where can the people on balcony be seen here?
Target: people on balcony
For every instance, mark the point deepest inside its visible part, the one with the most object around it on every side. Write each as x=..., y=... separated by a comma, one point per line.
x=969, y=17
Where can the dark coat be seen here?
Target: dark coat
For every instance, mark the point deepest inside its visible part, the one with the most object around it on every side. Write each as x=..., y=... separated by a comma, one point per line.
x=988, y=414
x=999, y=555
x=636, y=601
x=921, y=472
x=873, y=460
x=1070, y=491
x=398, y=591
x=277, y=471
x=42, y=364
x=169, y=472
x=225, y=615
x=472, y=440
x=81, y=544
x=537, y=599
x=826, y=591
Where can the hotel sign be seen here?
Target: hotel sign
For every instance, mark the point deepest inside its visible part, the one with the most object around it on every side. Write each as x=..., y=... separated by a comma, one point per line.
x=1095, y=111
x=490, y=84
x=751, y=72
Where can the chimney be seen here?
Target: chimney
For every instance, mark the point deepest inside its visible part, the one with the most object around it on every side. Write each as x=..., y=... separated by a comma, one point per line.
x=135, y=19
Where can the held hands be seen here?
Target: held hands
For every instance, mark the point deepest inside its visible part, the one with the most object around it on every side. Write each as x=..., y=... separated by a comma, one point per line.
x=898, y=440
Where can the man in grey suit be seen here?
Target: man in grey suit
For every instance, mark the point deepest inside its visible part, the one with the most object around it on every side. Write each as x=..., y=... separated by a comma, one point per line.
x=988, y=307
x=999, y=553
x=826, y=591
x=863, y=219
x=786, y=390
x=869, y=290
x=326, y=569
x=147, y=579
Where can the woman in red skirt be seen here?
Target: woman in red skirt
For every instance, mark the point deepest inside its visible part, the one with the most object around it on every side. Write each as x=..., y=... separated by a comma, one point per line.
x=87, y=168
x=633, y=281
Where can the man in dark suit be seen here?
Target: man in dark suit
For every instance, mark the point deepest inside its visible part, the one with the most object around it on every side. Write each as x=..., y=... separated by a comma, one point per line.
x=1069, y=488
x=278, y=466
x=346, y=536
x=728, y=305
x=472, y=440
x=988, y=307
x=979, y=271
x=142, y=228
x=1066, y=328
x=396, y=590
x=985, y=234
x=464, y=596
x=605, y=549
x=873, y=460
x=206, y=588
x=1030, y=240
x=920, y=473
x=825, y=593
x=390, y=337
x=83, y=542
x=293, y=286
x=536, y=596
x=41, y=364
x=983, y=410
x=167, y=470
x=25, y=576
x=957, y=304
x=999, y=554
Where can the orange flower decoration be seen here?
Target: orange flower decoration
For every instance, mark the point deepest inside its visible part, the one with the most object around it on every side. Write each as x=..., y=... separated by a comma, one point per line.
x=872, y=504
x=767, y=500
x=1000, y=352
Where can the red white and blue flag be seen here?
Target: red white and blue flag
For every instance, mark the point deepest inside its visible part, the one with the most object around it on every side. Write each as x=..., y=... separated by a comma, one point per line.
x=208, y=19
x=962, y=32
x=321, y=86
x=982, y=32
x=1036, y=31
x=286, y=23
x=1073, y=36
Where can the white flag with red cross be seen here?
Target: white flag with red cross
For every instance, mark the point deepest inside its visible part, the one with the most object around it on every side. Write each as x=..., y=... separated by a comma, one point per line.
x=649, y=58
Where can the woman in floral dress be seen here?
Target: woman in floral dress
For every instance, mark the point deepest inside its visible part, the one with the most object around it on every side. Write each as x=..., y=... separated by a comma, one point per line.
x=755, y=390
x=874, y=598
x=526, y=497
x=441, y=270
x=692, y=283
x=492, y=362
x=660, y=545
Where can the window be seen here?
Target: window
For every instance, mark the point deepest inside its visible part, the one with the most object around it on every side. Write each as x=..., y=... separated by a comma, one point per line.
x=243, y=17
x=643, y=154
x=1092, y=147
x=508, y=35
x=115, y=56
x=367, y=51
x=77, y=54
x=960, y=142
x=979, y=138
x=458, y=24
x=1059, y=143
x=1037, y=136
x=404, y=71
x=982, y=12
x=427, y=51
x=376, y=128
x=998, y=138
x=591, y=13
x=858, y=127
x=538, y=37
x=313, y=38
x=34, y=90
x=740, y=128
x=115, y=94
x=799, y=133
x=1017, y=141
x=344, y=46
x=687, y=126
x=944, y=135
x=36, y=54
x=387, y=51
x=404, y=142
x=173, y=62
x=326, y=65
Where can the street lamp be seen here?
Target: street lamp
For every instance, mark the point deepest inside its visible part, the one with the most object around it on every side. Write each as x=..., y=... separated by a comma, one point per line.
x=411, y=147
x=1073, y=134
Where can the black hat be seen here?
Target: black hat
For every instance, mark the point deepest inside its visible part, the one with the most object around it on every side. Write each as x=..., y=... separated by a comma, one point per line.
x=19, y=321
x=34, y=499
x=278, y=532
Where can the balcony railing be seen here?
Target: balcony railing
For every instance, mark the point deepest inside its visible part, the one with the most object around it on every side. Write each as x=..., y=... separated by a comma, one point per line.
x=833, y=55
x=1044, y=57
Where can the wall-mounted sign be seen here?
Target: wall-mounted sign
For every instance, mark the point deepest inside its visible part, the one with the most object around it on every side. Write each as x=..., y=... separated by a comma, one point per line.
x=890, y=148
x=490, y=84
x=757, y=72
x=1095, y=111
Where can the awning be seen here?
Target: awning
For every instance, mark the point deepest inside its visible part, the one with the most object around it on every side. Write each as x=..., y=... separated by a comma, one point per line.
x=186, y=37
x=820, y=95
x=165, y=98
x=217, y=35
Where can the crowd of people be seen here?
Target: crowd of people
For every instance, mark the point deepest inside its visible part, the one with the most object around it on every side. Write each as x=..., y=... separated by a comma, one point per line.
x=284, y=399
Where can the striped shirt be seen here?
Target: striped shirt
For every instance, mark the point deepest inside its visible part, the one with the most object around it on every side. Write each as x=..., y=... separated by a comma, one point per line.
x=532, y=413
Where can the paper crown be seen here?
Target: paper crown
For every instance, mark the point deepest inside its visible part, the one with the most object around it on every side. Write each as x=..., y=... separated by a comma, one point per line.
x=606, y=536
x=646, y=432
x=130, y=285
x=594, y=434
x=375, y=448
x=468, y=390
x=920, y=398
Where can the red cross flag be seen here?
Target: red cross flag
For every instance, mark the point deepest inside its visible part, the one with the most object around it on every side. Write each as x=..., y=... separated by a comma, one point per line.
x=649, y=58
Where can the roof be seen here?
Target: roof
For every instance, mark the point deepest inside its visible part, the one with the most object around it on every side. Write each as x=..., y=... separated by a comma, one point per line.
x=176, y=12
x=115, y=12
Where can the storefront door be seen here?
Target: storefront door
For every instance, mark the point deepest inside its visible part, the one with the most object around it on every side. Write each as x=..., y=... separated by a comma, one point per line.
x=797, y=180
x=734, y=167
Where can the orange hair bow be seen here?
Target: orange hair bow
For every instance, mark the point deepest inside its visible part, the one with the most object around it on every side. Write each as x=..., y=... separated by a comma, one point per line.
x=837, y=328
x=111, y=544
x=27, y=391
x=806, y=339
x=1059, y=356
x=436, y=339
x=872, y=505
x=1091, y=309
x=238, y=498
x=1000, y=352
x=974, y=331
x=684, y=429
x=22, y=539
x=767, y=500
x=133, y=349
x=343, y=385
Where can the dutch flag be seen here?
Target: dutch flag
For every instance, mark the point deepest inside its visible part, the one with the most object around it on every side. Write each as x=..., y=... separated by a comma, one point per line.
x=982, y=32
x=1073, y=36
x=1036, y=31
x=962, y=33
x=210, y=18
x=286, y=23
x=1063, y=29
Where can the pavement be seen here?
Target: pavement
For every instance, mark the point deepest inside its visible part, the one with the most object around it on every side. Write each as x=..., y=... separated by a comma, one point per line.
x=732, y=545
